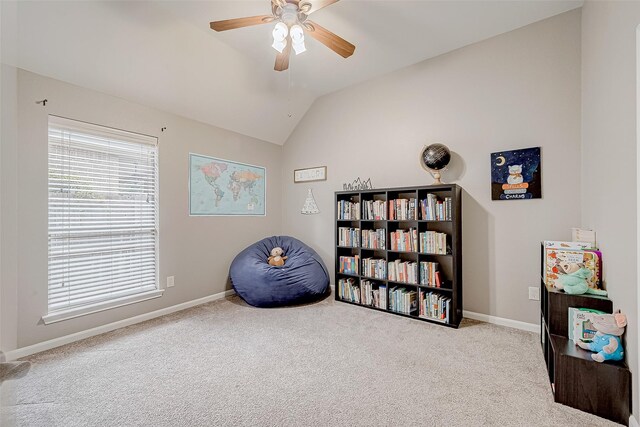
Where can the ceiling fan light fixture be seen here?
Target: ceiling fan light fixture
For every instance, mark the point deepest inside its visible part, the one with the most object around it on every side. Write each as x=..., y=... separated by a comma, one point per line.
x=280, y=32
x=279, y=45
x=299, y=48
x=297, y=39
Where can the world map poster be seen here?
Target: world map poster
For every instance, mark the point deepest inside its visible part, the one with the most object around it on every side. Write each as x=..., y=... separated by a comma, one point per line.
x=223, y=187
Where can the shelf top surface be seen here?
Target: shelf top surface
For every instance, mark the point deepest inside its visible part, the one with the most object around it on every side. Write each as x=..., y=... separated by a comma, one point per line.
x=440, y=187
x=569, y=348
x=553, y=290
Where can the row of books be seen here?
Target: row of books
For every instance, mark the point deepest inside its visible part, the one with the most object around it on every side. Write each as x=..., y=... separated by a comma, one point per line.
x=397, y=271
x=348, y=210
x=374, y=209
x=348, y=290
x=372, y=296
x=432, y=242
x=374, y=239
x=434, y=306
x=406, y=271
x=430, y=208
x=403, y=301
x=403, y=209
x=375, y=268
x=349, y=264
x=425, y=304
x=404, y=240
x=429, y=274
x=435, y=210
x=348, y=236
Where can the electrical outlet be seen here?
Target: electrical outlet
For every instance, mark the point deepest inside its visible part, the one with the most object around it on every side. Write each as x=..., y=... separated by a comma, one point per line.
x=534, y=293
x=171, y=281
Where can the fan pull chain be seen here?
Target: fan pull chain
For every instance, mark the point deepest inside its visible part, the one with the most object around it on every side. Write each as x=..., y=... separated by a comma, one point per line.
x=289, y=91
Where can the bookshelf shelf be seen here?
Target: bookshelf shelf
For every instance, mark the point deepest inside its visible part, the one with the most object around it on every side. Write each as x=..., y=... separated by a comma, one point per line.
x=435, y=288
x=397, y=282
x=433, y=220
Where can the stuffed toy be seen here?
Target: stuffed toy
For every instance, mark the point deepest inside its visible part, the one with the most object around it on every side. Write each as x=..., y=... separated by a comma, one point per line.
x=606, y=343
x=276, y=259
x=574, y=280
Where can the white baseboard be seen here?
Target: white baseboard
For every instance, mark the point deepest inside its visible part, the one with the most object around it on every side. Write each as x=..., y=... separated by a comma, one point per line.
x=633, y=422
x=67, y=339
x=516, y=324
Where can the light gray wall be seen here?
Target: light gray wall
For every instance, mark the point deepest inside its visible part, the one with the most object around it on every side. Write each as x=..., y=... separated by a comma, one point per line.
x=517, y=90
x=609, y=153
x=196, y=250
x=8, y=211
x=8, y=132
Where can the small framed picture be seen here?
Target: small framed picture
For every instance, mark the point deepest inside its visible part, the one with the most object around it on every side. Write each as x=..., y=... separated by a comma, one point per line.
x=318, y=173
x=516, y=174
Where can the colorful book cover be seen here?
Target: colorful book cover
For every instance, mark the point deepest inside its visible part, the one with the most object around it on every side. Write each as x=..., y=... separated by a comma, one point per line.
x=561, y=261
x=580, y=327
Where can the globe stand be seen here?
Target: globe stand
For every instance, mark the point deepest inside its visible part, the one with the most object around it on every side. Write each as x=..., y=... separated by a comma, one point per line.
x=436, y=176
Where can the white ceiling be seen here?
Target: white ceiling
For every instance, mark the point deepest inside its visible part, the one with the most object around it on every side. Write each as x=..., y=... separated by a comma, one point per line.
x=164, y=55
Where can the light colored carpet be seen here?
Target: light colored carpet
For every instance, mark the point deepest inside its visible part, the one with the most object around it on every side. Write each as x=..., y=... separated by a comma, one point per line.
x=323, y=364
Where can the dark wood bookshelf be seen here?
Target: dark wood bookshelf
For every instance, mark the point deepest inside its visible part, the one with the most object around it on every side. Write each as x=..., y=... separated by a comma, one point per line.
x=603, y=389
x=450, y=264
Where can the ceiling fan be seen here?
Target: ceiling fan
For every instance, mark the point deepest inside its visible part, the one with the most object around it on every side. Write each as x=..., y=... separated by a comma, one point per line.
x=291, y=17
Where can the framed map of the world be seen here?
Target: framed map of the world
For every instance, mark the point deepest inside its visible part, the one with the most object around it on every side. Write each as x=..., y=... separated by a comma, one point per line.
x=224, y=187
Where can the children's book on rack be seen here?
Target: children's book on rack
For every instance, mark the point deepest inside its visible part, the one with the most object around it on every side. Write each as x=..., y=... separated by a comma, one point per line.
x=434, y=306
x=348, y=236
x=404, y=240
x=374, y=210
x=403, y=271
x=348, y=210
x=433, y=209
x=402, y=300
x=561, y=258
x=374, y=239
x=580, y=326
x=402, y=209
x=349, y=264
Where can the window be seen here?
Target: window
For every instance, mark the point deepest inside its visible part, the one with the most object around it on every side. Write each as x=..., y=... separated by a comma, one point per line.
x=103, y=218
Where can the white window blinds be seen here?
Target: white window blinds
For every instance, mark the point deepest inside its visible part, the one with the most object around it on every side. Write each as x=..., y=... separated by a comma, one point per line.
x=103, y=214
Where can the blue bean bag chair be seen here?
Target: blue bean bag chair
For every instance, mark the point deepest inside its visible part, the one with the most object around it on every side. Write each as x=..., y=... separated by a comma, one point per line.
x=303, y=278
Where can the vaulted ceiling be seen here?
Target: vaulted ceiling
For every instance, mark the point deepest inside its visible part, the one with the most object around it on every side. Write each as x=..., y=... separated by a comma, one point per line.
x=163, y=54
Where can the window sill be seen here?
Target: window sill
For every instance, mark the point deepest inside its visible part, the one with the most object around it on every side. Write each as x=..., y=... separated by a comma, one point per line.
x=59, y=316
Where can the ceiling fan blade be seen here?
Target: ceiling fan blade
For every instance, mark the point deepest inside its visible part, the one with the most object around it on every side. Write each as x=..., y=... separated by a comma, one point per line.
x=330, y=40
x=282, y=60
x=231, y=24
x=314, y=5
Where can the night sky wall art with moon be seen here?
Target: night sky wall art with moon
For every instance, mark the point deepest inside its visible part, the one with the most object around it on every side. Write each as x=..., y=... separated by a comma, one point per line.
x=516, y=174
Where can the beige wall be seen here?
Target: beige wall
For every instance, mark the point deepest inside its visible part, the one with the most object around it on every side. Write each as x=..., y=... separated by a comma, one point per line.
x=8, y=211
x=609, y=148
x=517, y=90
x=8, y=132
x=196, y=250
